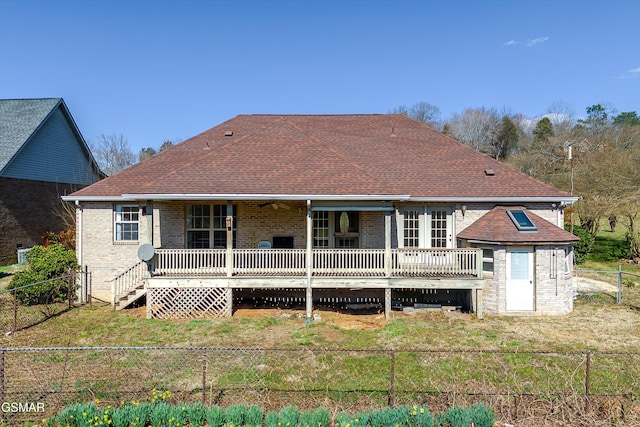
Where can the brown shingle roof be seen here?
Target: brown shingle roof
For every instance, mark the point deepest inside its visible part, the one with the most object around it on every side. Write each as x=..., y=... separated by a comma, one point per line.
x=496, y=226
x=343, y=155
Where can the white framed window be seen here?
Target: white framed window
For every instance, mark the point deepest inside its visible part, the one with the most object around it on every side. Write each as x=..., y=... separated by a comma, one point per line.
x=568, y=261
x=126, y=223
x=411, y=228
x=426, y=227
x=439, y=229
x=487, y=260
x=321, y=229
x=206, y=226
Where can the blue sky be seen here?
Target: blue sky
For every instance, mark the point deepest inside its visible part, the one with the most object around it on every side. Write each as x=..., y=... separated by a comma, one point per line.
x=158, y=70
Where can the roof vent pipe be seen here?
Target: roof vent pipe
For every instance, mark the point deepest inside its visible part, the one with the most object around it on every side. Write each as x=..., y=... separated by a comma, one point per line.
x=228, y=133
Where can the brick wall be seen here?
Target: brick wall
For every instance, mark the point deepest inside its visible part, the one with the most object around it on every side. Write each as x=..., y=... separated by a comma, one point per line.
x=27, y=212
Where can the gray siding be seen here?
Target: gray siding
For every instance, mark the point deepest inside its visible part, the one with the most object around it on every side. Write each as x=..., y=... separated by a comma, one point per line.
x=53, y=154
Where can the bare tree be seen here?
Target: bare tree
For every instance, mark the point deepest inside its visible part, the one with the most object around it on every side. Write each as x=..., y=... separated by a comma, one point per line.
x=113, y=153
x=476, y=127
x=562, y=117
x=422, y=112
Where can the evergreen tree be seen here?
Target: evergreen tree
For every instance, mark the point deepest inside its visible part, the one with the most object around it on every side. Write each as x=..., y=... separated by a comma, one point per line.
x=543, y=130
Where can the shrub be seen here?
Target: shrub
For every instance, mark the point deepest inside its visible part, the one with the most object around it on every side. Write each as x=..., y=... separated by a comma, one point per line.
x=46, y=266
x=583, y=247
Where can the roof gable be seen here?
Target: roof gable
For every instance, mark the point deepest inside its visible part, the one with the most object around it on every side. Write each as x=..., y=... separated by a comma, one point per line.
x=19, y=119
x=40, y=141
x=305, y=155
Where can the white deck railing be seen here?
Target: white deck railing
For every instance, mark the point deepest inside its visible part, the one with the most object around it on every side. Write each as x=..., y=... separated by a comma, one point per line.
x=349, y=262
x=269, y=262
x=190, y=261
x=128, y=280
x=325, y=262
x=436, y=262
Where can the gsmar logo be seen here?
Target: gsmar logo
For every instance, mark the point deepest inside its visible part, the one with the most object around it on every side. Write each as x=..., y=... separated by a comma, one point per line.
x=22, y=407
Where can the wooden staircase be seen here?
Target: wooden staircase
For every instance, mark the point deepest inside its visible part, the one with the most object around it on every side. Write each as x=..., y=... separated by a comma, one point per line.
x=129, y=286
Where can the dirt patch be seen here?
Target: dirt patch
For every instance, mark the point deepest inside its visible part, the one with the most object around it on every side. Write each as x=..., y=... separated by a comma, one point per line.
x=349, y=321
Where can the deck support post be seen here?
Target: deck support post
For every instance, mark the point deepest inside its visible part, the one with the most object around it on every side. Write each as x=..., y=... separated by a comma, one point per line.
x=387, y=303
x=229, y=224
x=479, y=303
x=309, y=262
x=387, y=243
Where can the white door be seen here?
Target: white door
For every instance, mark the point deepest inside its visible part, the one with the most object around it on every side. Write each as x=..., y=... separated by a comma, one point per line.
x=520, y=287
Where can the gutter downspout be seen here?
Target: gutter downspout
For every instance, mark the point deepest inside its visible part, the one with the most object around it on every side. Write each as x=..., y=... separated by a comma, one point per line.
x=79, y=246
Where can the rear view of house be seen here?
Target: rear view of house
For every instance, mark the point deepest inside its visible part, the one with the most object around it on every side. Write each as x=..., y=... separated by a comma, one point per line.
x=42, y=157
x=367, y=209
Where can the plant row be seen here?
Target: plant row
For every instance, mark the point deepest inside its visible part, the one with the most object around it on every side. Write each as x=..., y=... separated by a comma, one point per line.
x=159, y=413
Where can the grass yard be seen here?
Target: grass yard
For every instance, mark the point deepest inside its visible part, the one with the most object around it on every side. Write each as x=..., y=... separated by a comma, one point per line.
x=596, y=324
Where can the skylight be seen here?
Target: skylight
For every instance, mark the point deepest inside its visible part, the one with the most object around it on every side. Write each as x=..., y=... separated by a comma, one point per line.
x=521, y=220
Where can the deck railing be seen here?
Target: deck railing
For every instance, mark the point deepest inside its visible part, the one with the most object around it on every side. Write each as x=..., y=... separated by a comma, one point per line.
x=436, y=262
x=348, y=262
x=190, y=261
x=128, y=280
x=269, y=262
x=325, y=262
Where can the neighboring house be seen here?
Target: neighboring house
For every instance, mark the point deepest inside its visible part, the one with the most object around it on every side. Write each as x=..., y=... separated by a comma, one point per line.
x=357, y=209
x=42, y=157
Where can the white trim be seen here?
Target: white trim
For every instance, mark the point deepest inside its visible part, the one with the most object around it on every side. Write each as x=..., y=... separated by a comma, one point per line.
x=335, y=197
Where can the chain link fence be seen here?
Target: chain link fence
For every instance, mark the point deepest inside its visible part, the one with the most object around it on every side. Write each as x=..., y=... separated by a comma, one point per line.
x=575, y=387
x=621, y=286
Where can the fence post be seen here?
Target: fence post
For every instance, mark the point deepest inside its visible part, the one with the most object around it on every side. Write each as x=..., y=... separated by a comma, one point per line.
x=70, y=283
x=204, y=377
x=1, y=381
x=619, y=297
x=392, y=379
x=587, y=381
x=15, y=311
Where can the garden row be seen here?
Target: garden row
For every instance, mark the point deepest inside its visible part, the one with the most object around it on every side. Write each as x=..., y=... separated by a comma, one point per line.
x=160, y=413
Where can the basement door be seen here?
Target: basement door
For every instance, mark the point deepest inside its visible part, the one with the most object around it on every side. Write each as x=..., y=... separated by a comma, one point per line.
x=520, y=290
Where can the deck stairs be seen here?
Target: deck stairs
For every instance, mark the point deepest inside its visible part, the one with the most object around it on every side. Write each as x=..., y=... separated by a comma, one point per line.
x=129, y=286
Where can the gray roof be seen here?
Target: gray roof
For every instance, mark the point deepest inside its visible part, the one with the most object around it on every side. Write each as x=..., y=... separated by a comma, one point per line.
x=19, y=119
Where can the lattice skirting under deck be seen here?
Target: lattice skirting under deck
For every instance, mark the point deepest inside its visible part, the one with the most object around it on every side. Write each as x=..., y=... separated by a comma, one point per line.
x=189, y=303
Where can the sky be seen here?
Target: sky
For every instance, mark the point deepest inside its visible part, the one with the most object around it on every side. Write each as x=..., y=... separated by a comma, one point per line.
x=157, y=70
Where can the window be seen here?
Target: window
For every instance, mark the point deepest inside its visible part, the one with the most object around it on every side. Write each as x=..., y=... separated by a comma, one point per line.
x=411, y=229
x=206, y=226
x=339, y=229
x=567, y=261
x=438, y=229
x=487, y=260
x=126, y=219
x=426, y=227
x=347, y=227
x=521, y=220
x=321, y=229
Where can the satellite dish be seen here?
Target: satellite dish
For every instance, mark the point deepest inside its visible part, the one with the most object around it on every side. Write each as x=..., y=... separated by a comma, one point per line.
x=146, y=252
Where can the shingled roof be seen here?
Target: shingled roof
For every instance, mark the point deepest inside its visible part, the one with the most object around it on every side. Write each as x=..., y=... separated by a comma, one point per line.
x=19, y=119
x=378, y=157
x=497, y=227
